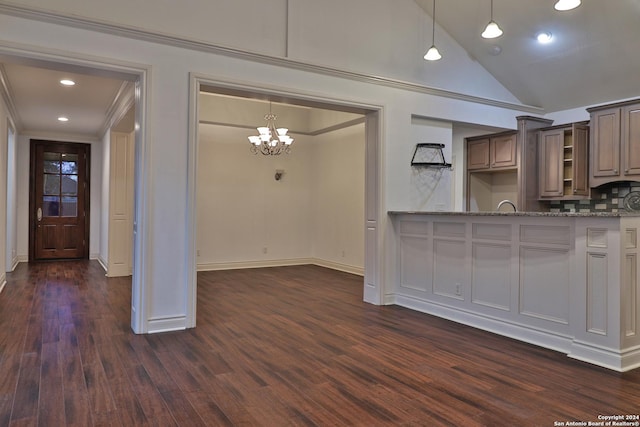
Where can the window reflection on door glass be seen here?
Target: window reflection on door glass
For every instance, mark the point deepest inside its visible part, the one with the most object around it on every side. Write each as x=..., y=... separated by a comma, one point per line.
x=51, y=184
x=70, y=163
x=51, y=162
x=50, y=206
x=69, y=185
x=69, y=206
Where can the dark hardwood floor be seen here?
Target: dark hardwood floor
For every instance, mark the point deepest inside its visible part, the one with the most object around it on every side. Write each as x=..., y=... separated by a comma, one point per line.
x=274, y=347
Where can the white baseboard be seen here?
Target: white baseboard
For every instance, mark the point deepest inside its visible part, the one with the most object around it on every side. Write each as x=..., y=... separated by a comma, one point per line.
x=22, y=258
x=618, y=361
x=14, y=263
x=102, y=263
x=338, y=266
x=280, y=263
x=3, y=282
x=253, y=264
x=167, y=324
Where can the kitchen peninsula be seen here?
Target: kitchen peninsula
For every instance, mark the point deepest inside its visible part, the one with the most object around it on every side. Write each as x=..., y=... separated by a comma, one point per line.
x=565, y=281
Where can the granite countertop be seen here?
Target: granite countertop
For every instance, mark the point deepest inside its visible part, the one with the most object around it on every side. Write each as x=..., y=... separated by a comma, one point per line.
x=532, y=214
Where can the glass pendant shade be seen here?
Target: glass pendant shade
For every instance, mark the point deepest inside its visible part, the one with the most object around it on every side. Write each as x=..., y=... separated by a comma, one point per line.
x=492, y=31
x=271, y=141
x=432, y=54
x=567, y=4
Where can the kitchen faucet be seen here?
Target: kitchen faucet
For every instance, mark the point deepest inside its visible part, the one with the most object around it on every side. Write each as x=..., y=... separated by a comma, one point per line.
x=508, y=202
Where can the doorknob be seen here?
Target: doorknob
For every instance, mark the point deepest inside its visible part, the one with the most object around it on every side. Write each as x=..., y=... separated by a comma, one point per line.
x=39, y=214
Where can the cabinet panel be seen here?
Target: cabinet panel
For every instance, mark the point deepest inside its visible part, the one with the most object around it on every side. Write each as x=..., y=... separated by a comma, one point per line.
x=478, y=154
x=605, y=157
x=503, y=151
x=563, y=162
x=551, y=163
x=631, y=139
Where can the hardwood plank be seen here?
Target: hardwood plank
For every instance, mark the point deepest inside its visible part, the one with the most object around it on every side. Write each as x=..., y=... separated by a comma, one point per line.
x=100, y=397
x=51, y=411
x=274, y=346
x=25, y=404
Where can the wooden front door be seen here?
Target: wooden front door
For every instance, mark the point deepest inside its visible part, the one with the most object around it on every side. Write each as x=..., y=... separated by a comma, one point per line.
x=59, y=221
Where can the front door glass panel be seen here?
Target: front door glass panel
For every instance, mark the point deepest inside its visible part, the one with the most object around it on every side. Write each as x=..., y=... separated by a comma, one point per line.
x=60, y=185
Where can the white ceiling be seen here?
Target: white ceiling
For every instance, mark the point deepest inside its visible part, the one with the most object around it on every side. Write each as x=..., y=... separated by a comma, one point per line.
x=39, y=99
x=594, y=57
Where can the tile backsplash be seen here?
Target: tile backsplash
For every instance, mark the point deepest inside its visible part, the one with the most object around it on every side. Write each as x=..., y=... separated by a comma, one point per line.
x=606, y=198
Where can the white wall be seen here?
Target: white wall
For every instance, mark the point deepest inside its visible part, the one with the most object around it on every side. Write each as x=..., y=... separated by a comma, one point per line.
x=244, y=216
x=4, y=116
x=426, y=188
x=103, y=255
x=338, y=198
x=375, y=37
x=22, y=180
x=165, y=214
x=95, y=210
x=314, y=214
x=12, y=207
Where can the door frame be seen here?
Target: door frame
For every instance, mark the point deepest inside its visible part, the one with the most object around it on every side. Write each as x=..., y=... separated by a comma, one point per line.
x=32, y=194
x=373, y=283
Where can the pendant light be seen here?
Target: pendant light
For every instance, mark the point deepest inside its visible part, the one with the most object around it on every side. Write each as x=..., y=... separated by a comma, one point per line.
x=492, y=30
x=563, y=5
x=433, y=54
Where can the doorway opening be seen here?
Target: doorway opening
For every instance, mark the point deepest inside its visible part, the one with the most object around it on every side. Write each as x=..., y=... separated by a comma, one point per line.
x=217, y=135
x=131, y=89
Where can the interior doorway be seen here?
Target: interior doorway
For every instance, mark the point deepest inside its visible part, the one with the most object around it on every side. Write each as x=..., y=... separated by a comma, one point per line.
x=59, y=200
x=369, y=119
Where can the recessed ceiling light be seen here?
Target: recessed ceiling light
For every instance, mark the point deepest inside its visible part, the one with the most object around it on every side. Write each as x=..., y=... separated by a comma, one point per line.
x=63, y=119
x=567, y=4
x=544, y=37
x=67, y=82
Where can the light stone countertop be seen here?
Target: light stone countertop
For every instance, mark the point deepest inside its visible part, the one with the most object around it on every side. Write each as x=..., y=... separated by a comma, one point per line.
x=528, y=214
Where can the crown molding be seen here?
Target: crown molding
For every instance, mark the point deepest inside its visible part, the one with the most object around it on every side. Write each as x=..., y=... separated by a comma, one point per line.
x=7, y=95
x=175, y=41
x=121, y=103
x=61, y=136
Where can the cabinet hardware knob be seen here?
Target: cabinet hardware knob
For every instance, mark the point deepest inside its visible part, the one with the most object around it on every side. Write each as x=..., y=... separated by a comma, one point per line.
x=626, y=171
x=615, y=171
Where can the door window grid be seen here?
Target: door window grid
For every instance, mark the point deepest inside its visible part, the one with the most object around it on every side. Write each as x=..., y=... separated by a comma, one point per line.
x=60, y=192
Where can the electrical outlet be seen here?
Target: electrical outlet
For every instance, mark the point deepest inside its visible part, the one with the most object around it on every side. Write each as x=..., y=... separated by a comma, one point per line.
x=343, y=254
x=458, y=290
x=198, y=252
x=264, y=250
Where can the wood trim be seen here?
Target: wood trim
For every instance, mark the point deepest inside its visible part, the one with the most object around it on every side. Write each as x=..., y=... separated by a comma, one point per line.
x=614, y=105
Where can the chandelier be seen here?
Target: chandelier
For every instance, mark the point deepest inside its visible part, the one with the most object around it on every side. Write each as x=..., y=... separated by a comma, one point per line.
x=271, y=141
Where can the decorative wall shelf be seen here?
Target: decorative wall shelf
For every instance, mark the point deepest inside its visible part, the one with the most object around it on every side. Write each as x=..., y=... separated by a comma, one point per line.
x=429, y=155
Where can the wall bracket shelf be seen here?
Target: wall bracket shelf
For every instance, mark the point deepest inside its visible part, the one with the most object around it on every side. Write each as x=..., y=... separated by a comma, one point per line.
x=429, y=155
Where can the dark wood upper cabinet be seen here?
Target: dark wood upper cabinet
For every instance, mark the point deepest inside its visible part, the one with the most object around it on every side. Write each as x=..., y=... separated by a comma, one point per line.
x=492, y=152
x=563, y=162
x=615, y=143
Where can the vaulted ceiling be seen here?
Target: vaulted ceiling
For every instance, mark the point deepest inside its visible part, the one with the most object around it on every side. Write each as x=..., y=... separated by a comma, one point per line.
x=593, y=59
x=594, y=56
